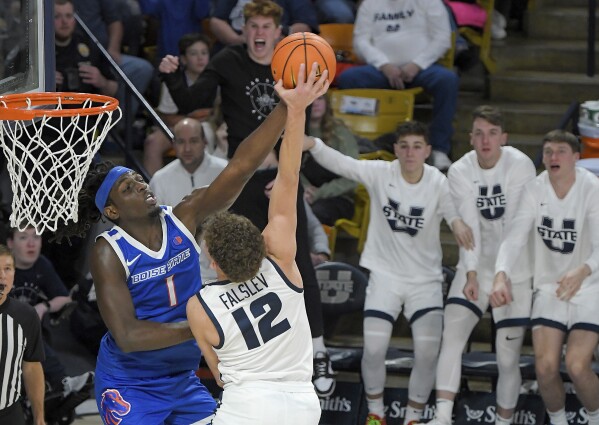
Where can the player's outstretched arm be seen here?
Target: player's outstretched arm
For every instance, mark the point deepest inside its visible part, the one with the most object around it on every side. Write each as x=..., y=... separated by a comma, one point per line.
x=279, y=234
x=118, y=312
x=223, y=191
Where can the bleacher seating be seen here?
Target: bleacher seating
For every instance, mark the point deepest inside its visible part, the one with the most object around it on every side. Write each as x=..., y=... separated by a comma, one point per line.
x=482, y=39
x=388, y=109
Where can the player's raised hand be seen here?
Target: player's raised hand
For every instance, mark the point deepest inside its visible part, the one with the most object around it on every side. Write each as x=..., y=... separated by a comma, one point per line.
x=306, y=90
x=571, y=282
x=501, y=294
x=169, y=64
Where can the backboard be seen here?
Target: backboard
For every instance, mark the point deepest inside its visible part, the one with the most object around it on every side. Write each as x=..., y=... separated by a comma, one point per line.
x=26, y=46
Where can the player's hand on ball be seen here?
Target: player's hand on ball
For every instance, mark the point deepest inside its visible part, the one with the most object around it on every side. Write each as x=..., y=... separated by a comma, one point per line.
x=306, y=91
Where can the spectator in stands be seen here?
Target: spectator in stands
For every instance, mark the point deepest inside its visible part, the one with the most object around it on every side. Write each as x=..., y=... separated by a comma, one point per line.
x=21, y=350
x=193, y=168
x=37, y=284
x=220, y=145
x=408, y=199
x=103, y=18
x=400, y=42
x=176, y=20
x=80, y=66
x=336, y=11
x=561, y=211
x=194, y=51
x=227, y=19
x=243, y=74
x=318, y=239
x=486, y=184
x=330, y=196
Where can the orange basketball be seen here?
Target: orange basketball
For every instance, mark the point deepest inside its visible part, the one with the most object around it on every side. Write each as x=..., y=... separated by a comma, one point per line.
x=298, y=48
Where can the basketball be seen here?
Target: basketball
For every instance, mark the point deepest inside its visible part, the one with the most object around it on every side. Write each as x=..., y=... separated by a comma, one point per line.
x=298, y=48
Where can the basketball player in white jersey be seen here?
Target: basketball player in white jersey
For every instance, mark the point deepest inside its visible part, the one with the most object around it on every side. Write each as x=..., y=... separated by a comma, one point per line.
x=408, y=199
x=486, y=185
x=561, y=207
x=251, y=324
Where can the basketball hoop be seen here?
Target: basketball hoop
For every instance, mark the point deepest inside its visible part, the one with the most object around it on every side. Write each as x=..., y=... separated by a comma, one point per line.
x=49, y=141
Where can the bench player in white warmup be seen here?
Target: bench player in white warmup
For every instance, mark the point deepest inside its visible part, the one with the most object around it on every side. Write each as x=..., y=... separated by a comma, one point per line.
x=486, y=184
x=408, y=199
x=561, y=207
x=251, y=324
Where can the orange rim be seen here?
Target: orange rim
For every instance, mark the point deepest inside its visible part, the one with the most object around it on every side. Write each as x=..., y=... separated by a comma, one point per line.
x=12, y=106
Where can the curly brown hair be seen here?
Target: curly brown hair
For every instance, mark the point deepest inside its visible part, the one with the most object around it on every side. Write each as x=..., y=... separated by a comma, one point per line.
x=235, y=244
x=266, y=8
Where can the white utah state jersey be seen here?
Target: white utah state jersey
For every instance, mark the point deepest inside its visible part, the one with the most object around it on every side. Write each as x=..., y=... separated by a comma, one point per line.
x=404, y=228
x=263, y=327
x=487, y=200
x=566, y=231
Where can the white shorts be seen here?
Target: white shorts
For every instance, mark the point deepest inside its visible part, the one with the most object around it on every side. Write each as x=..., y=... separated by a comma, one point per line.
x=269, y=403
x=581, y=312
x=386, y=295
x=517, y=313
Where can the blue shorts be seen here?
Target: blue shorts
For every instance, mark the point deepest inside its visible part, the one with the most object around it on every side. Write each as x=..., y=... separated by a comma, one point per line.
x=177, y=399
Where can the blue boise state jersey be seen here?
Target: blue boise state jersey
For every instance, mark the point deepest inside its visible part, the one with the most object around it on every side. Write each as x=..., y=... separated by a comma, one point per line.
x=160, y=283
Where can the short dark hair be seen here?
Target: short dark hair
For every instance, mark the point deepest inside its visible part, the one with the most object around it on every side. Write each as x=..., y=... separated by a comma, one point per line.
x=412, y=128
x=5, y=251
x=63, y=2
x=187, y=40
x=562, y=136
x=10, y=232
x=489, y=113
x=235, y=244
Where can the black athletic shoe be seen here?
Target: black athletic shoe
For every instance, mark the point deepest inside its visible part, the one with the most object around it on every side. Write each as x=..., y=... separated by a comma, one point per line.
x=323, y=376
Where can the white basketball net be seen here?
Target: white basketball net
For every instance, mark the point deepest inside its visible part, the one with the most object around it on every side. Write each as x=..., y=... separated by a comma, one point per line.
x=48, y=159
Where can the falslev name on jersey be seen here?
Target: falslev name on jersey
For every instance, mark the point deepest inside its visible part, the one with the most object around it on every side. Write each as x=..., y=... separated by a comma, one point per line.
x=243, y=290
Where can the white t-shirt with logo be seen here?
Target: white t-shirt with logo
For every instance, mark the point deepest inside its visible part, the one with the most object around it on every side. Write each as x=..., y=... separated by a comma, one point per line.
x=404, y=230
x=566, y=231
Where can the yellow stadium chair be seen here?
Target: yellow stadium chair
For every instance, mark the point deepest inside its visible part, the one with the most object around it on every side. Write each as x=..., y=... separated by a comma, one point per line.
x=392, y=108
x=340, y=37
x=380, y=154
x=448, y=59
x=357, y=227
x=482, y=39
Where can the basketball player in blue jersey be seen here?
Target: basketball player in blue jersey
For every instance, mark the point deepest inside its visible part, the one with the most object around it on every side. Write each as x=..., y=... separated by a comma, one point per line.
x=145, y=269
x=252, y=323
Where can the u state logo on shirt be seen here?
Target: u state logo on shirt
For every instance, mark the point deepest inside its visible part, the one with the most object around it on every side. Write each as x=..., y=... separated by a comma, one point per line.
x=410, y=223
x=558, y=240
x=491, y=205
